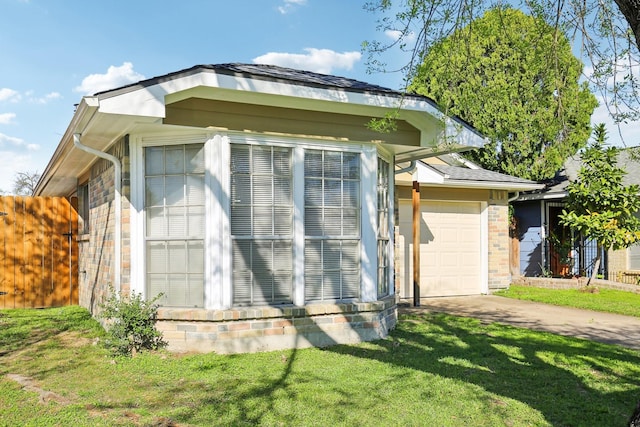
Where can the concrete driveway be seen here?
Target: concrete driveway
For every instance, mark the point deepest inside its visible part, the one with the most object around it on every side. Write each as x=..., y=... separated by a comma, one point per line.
x=591, y=325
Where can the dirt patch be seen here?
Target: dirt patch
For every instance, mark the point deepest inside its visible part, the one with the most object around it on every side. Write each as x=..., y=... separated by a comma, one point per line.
x=29, y=384
x=73, y=339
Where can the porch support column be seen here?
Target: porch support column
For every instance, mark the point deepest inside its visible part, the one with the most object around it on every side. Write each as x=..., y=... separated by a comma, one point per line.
x=415, y=198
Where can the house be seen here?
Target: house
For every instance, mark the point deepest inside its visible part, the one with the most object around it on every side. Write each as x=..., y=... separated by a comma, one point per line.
x=464, y=227
x=549, y=248
x=253, y=198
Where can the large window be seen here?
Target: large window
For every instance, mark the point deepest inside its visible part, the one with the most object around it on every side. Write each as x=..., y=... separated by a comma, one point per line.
x=174, y=223
x=382, y=188
x=332, y=225
x=261, y=224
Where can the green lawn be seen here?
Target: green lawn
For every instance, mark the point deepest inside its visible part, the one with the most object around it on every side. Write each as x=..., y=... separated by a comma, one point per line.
x=434, y=370
x=608, y=300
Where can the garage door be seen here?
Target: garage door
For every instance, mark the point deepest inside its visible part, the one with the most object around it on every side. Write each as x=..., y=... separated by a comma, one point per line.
x=450, y=249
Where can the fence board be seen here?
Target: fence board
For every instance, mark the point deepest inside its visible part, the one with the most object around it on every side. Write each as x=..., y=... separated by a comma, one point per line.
x=38, y=252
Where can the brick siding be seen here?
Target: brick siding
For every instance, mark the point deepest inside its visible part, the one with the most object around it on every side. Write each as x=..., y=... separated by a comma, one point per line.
x=96, y=258
x=499, y=276
x=252, y=329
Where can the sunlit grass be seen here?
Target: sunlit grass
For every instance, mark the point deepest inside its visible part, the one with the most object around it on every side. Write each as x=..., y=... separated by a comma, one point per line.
x=607, y=300
x=434, y=370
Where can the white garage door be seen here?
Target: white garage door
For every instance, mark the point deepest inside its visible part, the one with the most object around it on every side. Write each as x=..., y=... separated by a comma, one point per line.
x=450, y=249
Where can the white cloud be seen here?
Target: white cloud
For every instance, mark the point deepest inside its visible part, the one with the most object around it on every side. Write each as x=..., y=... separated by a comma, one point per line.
x=318, y=60
x=289, y=5
x=396, y=34
x=7, y=118
x=113, y=78
x=9, y=95
x=17, y=142
x=45, y=99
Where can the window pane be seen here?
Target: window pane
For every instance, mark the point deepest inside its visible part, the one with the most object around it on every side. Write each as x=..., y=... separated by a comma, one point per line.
x=157, y=284
x=262, y=190
x=174, y=190
x=283, y=221
x=281, y=161
x=154, y=191
x=263, y=221
x=313, y=163
x=313, y=222
x=176, y=290
x=154, y=160
x=194, y=158
x=176, y=222
x=195, y=290
x=261, y=160
x=351, y=166
x=195, y=255
x=333, y=193
x=156, y=257
x=195, y=221
x=241, y=189
x=351, y=193
x=195, y=190
x=332, y=164
x=313, y=192
x=283, y=193
x=177, y=257
x=174, y=160
x=240, y=159
x=241, y=220
x=156, y=224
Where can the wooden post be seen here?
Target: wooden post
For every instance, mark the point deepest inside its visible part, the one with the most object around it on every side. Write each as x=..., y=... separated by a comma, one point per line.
x=415, y=197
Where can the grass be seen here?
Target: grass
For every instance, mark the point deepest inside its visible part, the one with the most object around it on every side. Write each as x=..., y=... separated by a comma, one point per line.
x=607, y=300
x=434, y=369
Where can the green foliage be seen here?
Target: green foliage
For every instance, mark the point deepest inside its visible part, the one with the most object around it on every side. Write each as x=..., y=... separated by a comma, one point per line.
x=497, y=74
x=131, y=324
x=599, y=206
x=606, y=32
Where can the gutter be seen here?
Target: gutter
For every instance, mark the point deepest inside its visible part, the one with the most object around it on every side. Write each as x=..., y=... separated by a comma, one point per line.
x=118, y=204
x=410, y=168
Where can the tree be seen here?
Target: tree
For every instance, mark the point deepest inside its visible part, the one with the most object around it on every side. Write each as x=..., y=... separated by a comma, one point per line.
x=599, y=206
x=607, y=34
x=502, y=80
x=24, y=183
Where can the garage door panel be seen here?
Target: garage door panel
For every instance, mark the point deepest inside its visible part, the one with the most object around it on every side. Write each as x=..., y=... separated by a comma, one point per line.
x=450, y=249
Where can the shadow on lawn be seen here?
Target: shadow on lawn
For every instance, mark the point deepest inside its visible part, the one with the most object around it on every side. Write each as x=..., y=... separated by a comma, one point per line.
x=540, y=372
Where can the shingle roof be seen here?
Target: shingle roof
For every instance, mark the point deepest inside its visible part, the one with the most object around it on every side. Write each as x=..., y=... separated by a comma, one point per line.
x=459, y=173
x=271, y=72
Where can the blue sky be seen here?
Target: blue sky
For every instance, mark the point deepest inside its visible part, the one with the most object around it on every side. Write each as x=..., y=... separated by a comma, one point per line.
x=55, y=51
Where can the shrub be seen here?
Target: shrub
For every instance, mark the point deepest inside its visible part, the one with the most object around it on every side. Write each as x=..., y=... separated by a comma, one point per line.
x=131, y=324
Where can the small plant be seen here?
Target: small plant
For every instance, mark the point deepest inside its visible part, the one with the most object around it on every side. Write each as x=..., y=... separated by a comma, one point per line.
x=131, y=324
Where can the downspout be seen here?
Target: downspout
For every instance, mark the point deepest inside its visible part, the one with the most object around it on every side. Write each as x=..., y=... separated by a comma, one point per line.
x=118, y=205
x=409, y=168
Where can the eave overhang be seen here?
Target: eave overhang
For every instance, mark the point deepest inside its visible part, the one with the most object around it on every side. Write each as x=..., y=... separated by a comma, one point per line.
x=104, y=118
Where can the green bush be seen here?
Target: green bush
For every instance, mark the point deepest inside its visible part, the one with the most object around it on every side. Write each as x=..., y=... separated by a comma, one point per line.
x=131, y=324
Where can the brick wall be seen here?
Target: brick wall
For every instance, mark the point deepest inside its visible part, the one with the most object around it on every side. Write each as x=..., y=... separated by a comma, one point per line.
x=97, y=248
x=498, y=237
x=253, y=329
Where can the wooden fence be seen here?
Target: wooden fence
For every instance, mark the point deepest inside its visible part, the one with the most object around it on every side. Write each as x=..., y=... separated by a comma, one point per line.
x=38, y=252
